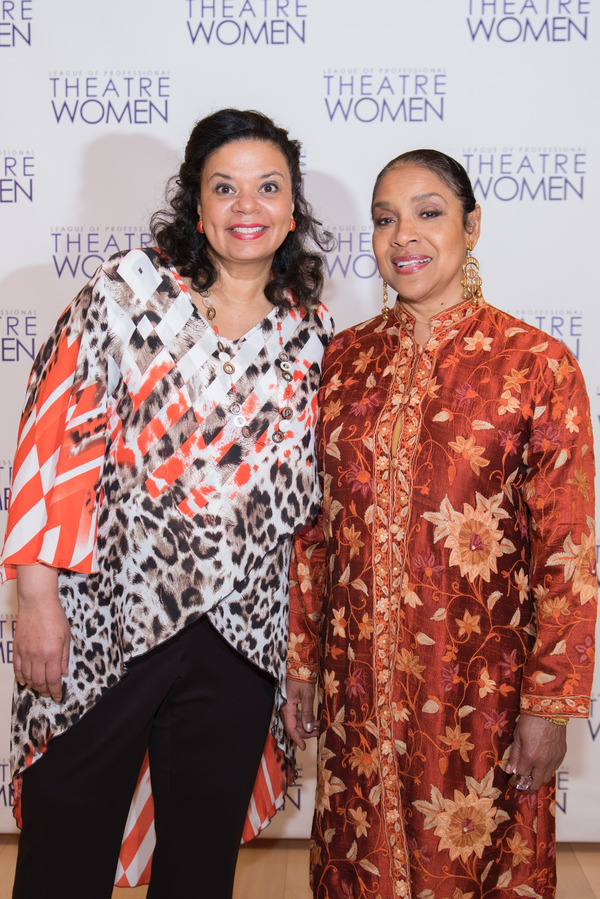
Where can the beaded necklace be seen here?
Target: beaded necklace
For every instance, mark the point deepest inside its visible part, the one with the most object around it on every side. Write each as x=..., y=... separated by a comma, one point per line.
x=226, y=355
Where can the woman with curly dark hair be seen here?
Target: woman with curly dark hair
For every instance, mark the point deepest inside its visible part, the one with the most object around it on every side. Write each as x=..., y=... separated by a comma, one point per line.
x=165, y=460
x=175, y=230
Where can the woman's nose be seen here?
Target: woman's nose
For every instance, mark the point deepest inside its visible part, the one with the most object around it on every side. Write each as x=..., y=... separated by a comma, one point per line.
x=403, y=234
x=245, y=202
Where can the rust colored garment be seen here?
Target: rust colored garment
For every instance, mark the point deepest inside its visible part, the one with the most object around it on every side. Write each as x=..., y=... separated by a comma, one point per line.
x=449, y=583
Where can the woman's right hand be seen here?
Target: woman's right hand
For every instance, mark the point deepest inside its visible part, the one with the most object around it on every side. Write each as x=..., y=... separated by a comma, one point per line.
x=42, y=633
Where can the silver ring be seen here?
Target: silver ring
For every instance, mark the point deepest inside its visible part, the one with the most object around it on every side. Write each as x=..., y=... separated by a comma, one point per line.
x=524, y=781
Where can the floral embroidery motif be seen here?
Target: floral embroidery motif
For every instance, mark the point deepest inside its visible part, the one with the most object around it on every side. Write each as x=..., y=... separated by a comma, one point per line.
x=473, y=536
x=465, y=823
x=449, y=583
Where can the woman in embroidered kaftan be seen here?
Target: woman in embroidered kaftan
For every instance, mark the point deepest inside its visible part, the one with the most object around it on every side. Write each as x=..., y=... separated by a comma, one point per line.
x=446, y=595
x=165, y=460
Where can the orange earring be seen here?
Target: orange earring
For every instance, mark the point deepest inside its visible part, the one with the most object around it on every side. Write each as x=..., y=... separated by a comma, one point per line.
x=292, y=224
x=200, y=227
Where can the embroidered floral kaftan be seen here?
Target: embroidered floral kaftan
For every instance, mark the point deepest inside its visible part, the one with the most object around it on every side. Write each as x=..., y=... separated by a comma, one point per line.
x=449, y=583
x=163, y=488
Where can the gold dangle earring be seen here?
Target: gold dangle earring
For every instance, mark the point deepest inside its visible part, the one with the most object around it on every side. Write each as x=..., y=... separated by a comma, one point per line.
x=385, y=308
x=471, y=280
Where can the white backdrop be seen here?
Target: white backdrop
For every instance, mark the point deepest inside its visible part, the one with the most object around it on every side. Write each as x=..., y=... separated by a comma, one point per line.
x=97, y=99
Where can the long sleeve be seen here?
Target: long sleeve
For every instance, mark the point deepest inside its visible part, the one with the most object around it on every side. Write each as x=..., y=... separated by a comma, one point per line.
x=559, y=493
x=307, y=582
x=308, y=576
x=55, y=494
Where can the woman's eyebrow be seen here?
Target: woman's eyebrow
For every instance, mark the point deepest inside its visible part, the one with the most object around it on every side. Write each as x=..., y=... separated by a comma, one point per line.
x=230, y=177
x=427, y=196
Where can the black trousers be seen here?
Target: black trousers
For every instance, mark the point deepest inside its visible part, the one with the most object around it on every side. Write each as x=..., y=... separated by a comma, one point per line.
x=203, y=712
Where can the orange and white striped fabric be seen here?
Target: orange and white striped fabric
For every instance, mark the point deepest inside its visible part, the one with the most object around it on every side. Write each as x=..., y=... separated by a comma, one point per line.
x=135, y=860
x=44, y=524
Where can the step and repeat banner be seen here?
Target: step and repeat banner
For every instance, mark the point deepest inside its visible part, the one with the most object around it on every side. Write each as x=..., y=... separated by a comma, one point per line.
x=97, y=100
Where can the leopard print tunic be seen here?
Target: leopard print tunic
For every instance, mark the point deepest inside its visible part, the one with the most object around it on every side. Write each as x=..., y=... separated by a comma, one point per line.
x=137, y=482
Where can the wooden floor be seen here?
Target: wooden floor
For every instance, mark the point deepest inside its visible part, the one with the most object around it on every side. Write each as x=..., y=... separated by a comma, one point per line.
x=278, y=869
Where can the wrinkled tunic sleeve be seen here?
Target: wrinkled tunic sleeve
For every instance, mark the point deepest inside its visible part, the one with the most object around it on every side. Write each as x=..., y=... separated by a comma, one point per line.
x=55, y=494
x=559, y=494
x=307, y=582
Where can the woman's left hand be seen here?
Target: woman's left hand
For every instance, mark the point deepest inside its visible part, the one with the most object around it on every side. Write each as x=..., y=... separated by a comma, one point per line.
x=538, y=748
x=298, y=712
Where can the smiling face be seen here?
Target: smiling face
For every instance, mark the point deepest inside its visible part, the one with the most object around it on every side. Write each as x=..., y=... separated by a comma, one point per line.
x=419, y=237
x=245, y=202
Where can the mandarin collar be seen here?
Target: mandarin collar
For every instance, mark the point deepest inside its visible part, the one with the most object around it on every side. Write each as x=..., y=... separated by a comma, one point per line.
x=445, y=319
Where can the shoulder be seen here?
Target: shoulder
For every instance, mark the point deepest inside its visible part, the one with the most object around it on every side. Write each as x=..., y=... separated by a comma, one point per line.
x=362, y=336
x=324, y=316
x=317, y=318
x=132, y=277
x=87, y=311
x=131, y=265
x=526, y=338
x=124, y=265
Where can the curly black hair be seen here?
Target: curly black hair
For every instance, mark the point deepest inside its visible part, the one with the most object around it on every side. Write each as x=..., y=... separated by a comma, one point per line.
x=295, y=267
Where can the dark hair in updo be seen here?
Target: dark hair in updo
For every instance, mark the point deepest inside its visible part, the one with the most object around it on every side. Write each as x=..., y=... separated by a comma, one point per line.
x=295, y=266
x=445, y=167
